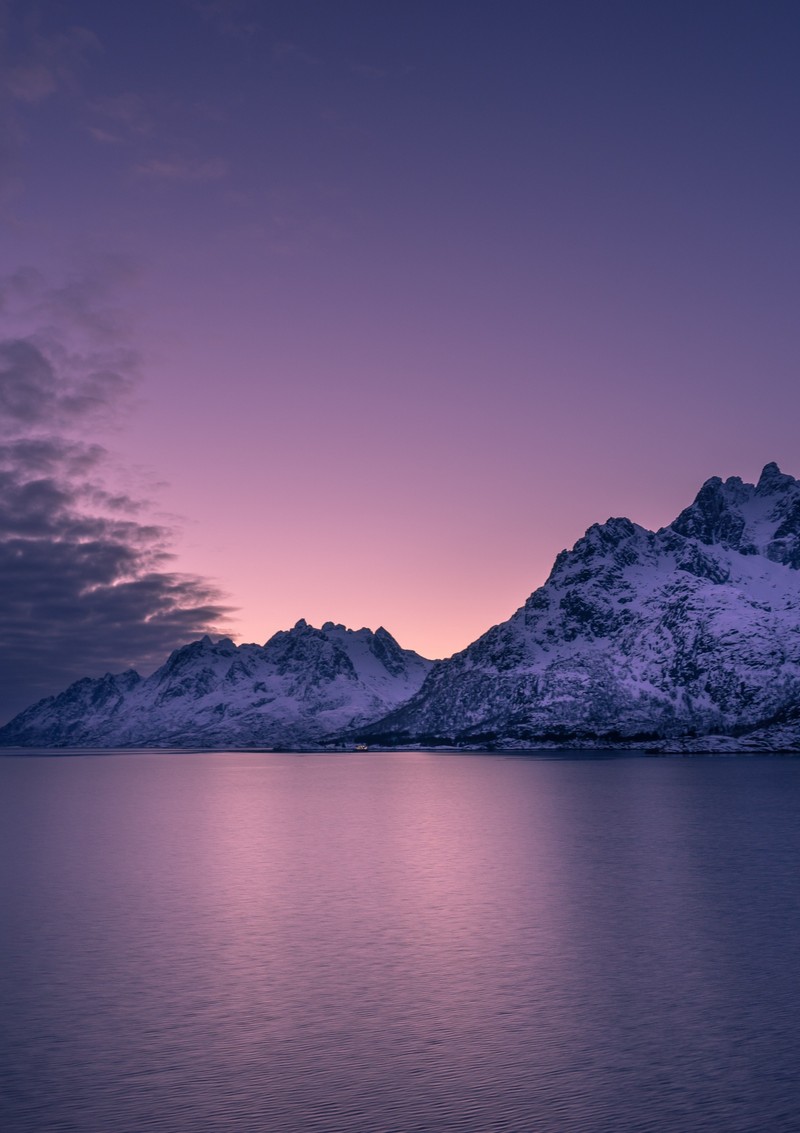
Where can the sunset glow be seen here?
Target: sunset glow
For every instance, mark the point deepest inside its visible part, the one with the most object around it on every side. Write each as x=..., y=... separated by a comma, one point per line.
x=404, y=299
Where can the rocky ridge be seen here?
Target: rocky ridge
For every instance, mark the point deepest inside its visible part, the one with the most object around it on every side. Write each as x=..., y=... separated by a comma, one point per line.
x=301, y=686
x=682, y=639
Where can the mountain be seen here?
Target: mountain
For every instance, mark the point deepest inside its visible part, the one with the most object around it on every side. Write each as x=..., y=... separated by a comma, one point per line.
x=303, y=685
x=682, y=639
x=687, y=638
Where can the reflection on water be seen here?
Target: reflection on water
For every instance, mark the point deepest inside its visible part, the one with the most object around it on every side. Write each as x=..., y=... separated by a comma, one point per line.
x=398, y=942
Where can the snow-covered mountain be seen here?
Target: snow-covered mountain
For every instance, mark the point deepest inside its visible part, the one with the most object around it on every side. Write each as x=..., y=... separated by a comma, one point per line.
x=303, y=685
x=687, y=638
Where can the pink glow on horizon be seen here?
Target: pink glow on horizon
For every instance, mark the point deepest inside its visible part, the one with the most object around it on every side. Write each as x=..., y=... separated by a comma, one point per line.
x=416, y=308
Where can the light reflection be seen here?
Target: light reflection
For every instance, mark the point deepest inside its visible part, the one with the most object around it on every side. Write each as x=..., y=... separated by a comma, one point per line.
x=400, y=941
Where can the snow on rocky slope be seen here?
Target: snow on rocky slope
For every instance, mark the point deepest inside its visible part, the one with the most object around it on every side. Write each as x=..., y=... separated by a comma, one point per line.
x=685, y=639
x=303, y=685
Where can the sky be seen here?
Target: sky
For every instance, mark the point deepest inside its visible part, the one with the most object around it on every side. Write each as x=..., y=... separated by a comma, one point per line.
x=362, y=311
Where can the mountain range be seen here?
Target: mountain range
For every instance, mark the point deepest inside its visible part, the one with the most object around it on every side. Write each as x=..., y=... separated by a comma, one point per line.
x=682, y=639
x=303, y=685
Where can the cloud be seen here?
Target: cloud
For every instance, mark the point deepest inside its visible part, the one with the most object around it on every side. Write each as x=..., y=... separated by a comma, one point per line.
x=50, y=63
x=69, y=362
x=35, y=68
x=33, y=393
x=368, y=71
x=122, y=116
x=227, y=17
x=184, y=169
x=105, y=137
x=83, y=302
x=285, y=51
x=86, y=584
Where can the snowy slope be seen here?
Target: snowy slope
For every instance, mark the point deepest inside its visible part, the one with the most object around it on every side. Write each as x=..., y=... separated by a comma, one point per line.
x=683, y=639
x=303, y=685
x=662, y=638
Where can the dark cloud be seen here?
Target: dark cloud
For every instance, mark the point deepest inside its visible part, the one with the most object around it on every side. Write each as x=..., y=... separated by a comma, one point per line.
x=33, y=393
x=86, y=585
x=27, y=384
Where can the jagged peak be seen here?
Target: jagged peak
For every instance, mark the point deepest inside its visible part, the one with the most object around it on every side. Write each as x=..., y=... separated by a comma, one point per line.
x=330, y=630
x=606, y=536
x=339, y=627
x=732, y=488
x=616, y=542
x=618, y=527
x=334, y=633
x=302, y=626
x=773, y=480
x=207, y=644
x=746, y=517
x=128, y=676
x=713, y=515
x=186, y=654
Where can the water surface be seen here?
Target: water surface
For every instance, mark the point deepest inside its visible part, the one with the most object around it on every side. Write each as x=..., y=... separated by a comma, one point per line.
x=386, y=943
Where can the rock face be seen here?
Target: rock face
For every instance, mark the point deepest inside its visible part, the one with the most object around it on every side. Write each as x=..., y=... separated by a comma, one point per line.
x=687, y=638
x=303, y=685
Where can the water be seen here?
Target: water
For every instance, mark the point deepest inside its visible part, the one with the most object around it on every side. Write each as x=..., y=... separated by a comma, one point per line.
x=390, y=943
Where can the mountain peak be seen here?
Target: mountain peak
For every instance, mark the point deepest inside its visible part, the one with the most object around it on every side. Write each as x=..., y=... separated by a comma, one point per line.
x=773, y=480
x=762, y=519
x=302, y=686
x=715, y=514
x=688, y=632
x=638, y=637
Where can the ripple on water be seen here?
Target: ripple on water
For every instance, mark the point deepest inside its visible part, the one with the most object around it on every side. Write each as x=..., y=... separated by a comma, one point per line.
x=396, y=943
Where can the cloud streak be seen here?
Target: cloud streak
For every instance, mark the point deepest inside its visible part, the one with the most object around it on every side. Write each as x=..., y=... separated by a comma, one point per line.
x=85, y=583
x=184, y=169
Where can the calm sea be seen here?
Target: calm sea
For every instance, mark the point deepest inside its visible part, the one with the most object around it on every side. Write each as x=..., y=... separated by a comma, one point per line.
x=390, y=943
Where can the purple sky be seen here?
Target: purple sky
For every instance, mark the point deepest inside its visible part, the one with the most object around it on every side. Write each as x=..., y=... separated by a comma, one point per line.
x=389, y=301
